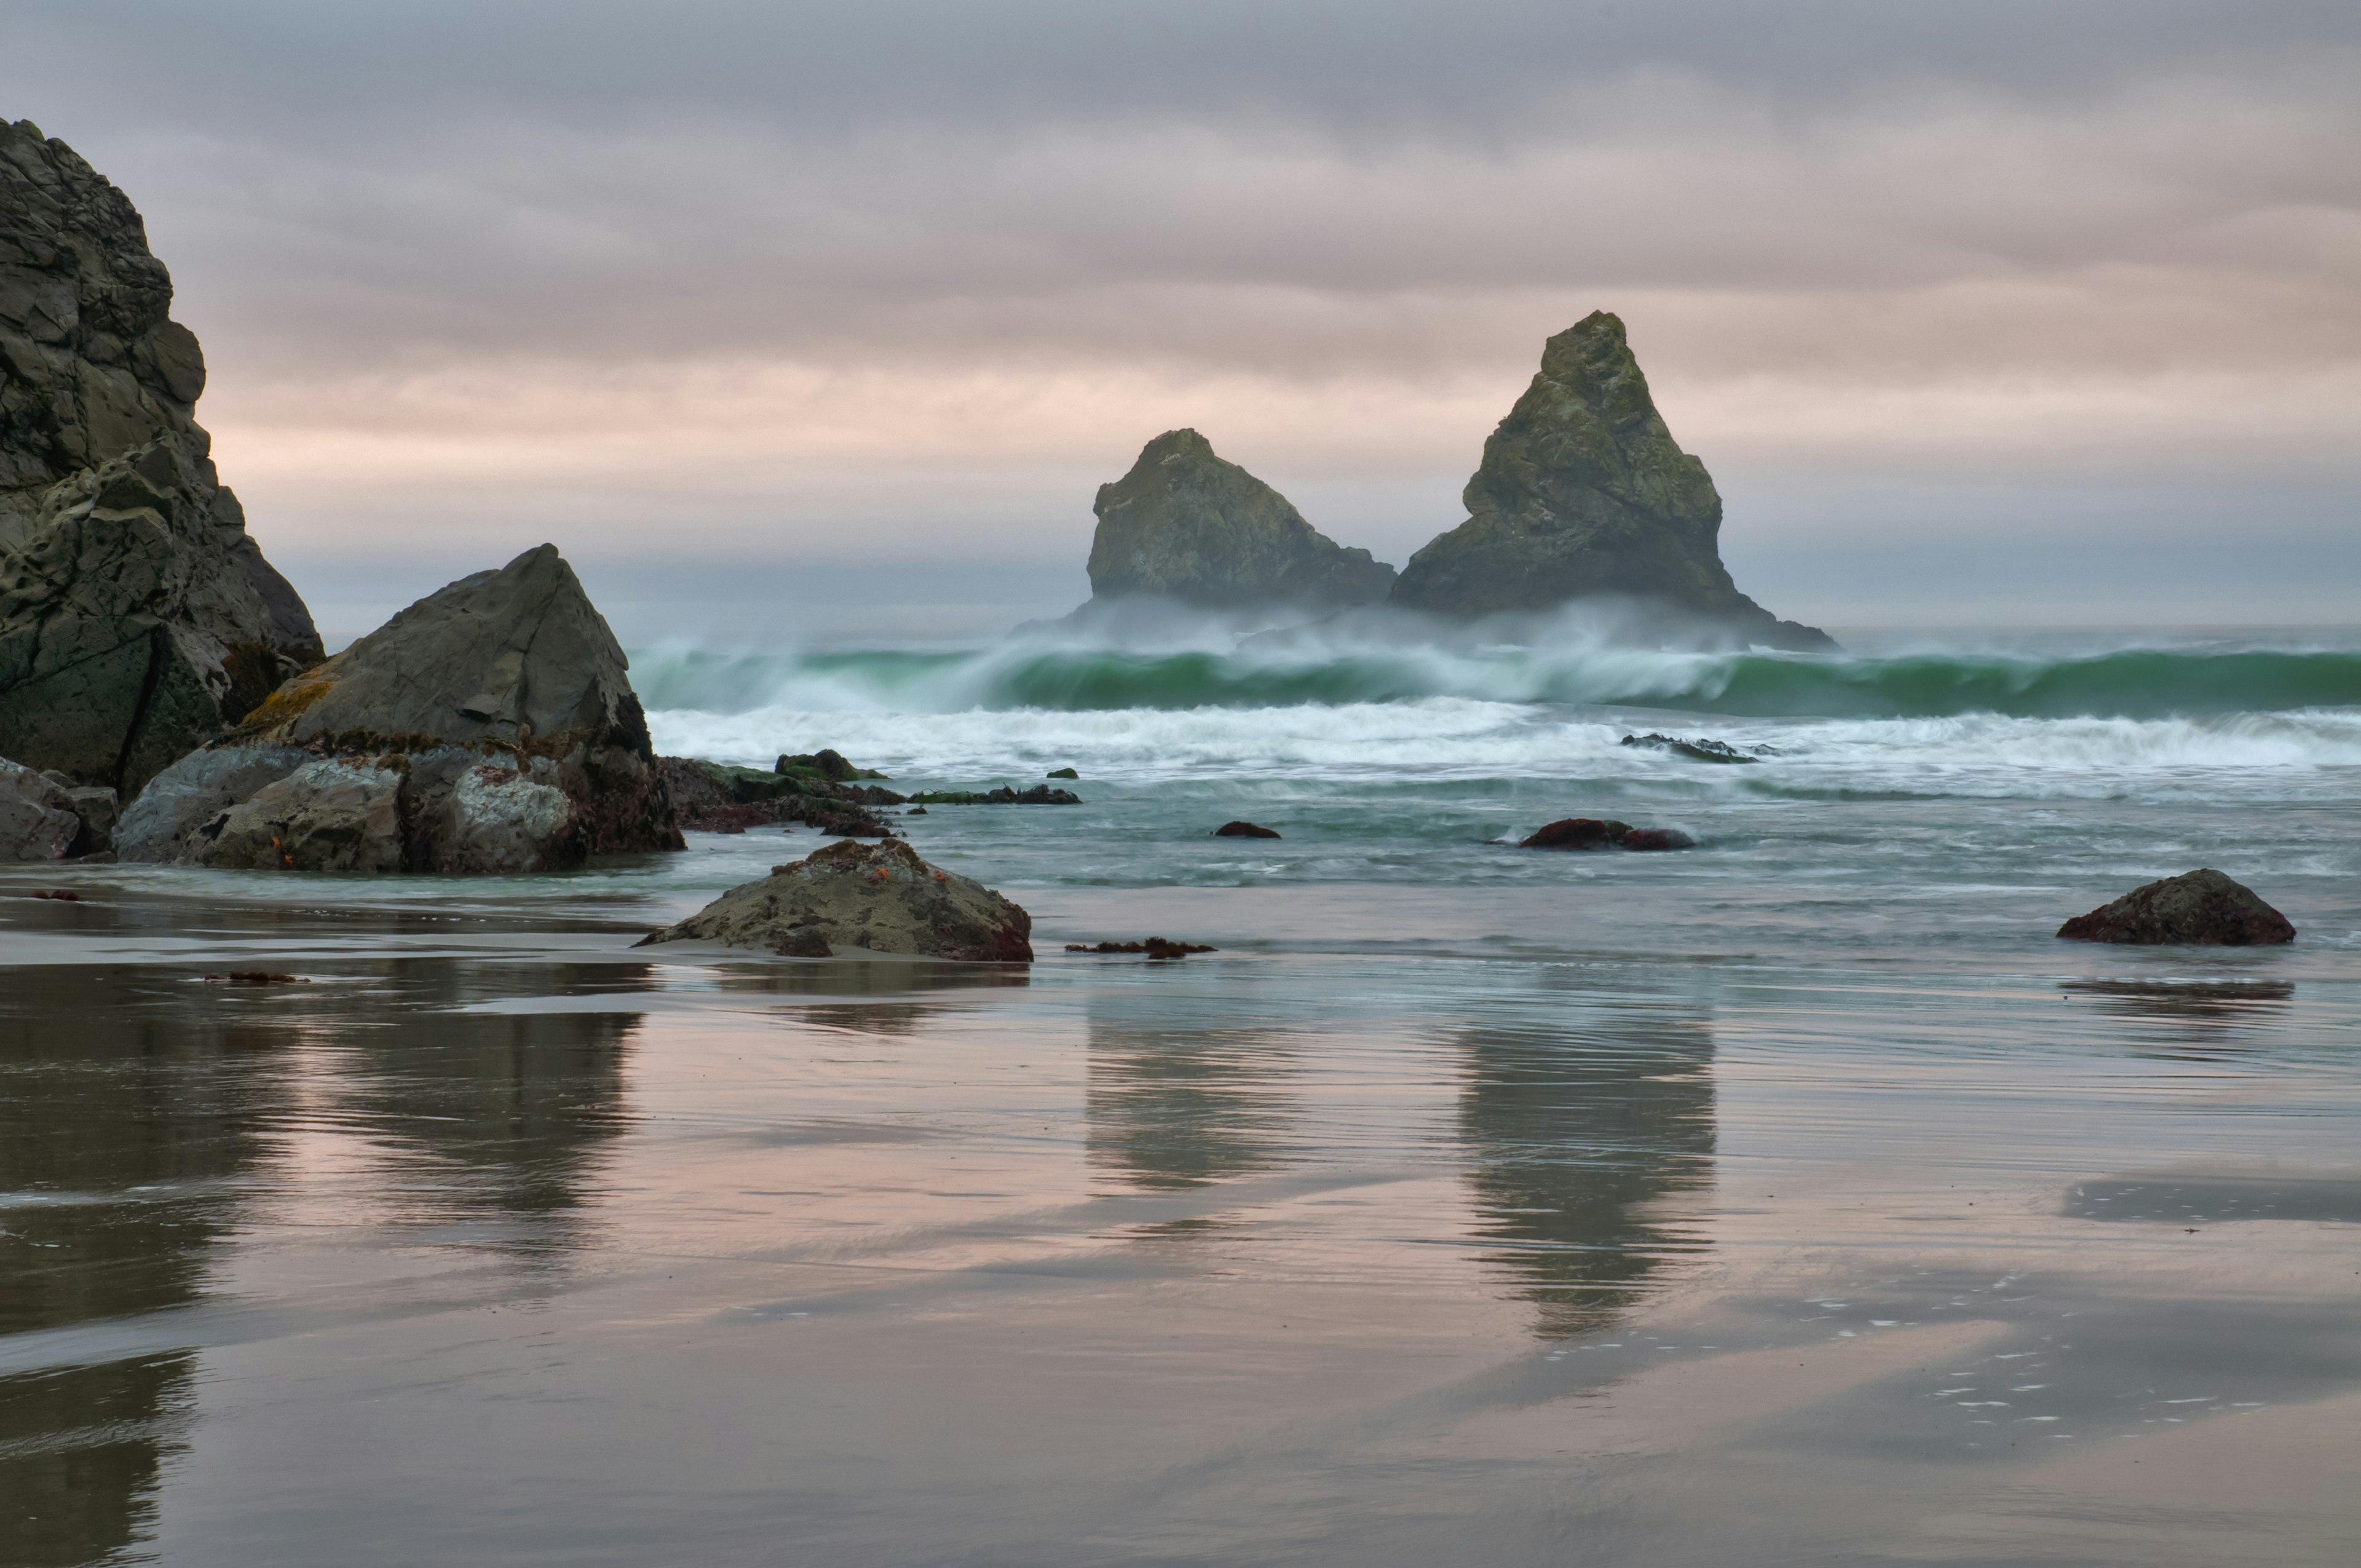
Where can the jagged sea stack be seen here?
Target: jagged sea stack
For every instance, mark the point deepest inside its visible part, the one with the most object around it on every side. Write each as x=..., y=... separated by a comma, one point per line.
x=1584, y=492
x=1184, y=524
x=136, y=615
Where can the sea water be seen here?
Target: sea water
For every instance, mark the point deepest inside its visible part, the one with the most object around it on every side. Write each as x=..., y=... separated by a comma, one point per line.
x=1796, y=1198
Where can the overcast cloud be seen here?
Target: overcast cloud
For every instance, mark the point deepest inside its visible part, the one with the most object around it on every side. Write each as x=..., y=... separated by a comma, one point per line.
x=838, y=315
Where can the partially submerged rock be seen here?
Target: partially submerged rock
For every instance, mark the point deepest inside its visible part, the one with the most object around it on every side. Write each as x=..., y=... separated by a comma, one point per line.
x=1063, y=774
x=491, y=727
x=1582, y=492
x=137, y=616
x=1244, y=830
x=877, y=898
x=1582, y=833
x=1155, y=948
x=1185, y=525
x=1039, y=795
x=1697, y=750
x=2198, y=908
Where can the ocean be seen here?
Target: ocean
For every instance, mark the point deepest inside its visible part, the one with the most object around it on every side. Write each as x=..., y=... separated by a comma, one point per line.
x=1796, y=1198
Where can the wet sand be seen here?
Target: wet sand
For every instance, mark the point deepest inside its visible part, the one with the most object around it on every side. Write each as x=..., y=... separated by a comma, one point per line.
x=493, y=1239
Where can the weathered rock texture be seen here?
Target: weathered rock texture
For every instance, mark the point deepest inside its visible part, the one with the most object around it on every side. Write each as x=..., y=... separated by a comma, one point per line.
x=880, y=898
x=2199, y=906
x=1583, y=492
x=491, y=727
x=1184, y=524
x=38, y=820
x=137, y=616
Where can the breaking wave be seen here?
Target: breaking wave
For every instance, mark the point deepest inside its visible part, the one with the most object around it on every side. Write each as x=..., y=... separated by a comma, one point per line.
x=2142, y=683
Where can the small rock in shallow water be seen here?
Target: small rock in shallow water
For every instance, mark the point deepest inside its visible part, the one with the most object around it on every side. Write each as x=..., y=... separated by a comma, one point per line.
x=1062, y=773
x=1593, y=833
x=1243, y=831
x=1155, y=948
x=2198, y=908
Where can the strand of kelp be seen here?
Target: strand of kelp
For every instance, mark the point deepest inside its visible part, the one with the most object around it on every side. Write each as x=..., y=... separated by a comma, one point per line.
x=2135, y=683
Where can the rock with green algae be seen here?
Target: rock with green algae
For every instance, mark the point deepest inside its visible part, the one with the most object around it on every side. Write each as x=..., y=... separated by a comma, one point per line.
x=1582, y=493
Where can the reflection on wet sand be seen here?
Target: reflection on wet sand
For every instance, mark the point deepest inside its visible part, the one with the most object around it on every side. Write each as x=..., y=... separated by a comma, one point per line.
x=127, y=1121
x=1181, y=1092
x=1575, y=1132
x=143, y=1108
x=2196, y=1018
x=881, y=998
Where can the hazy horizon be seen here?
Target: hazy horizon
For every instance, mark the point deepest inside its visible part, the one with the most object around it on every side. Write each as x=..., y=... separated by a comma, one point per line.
x=806, y=324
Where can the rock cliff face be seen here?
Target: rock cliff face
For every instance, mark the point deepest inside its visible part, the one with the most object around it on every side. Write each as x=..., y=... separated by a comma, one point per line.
x=1582, y=492
x=1184, y=524
x=491, y=727
x=136, y=615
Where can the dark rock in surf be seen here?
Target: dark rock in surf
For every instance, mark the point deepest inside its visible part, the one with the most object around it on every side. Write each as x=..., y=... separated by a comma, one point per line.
x=1582, y=492
x=1037, y=795
x=1062, y=773
x=1183, y=524
x=713, y=797
x=2199, y=907
x=1697, y=750
x=1244, y=830
x=876, y=898
x=137, y=616
x=1585, y=833
x=1154, y=948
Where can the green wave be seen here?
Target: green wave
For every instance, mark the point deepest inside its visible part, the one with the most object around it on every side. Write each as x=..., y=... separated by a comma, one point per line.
x=2142, y=683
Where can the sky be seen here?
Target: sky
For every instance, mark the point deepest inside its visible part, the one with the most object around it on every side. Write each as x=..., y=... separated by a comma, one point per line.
x=799, y=324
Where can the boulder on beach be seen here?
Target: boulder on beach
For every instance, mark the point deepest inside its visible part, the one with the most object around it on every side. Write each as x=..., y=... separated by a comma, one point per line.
x=853, y=897
x=1582, y=492
x=2199, y=907
x=137, y=616
x=1184, y=524
x=1596, y=833
x=493, y=719
x=1244, y=830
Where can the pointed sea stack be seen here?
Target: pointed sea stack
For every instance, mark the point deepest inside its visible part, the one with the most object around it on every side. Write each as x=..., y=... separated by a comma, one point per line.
x=1184, y=524
x=136, y=615
x=1582, y=492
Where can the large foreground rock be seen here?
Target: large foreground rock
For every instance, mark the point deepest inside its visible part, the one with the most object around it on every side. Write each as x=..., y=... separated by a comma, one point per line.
x=879, y=898
x=137, y=616
x=1185, y=525
x=491, y=727
x=2199, y=906
x=1582, y=492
